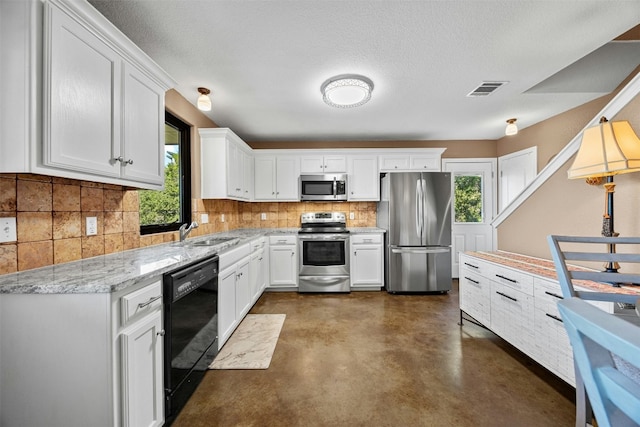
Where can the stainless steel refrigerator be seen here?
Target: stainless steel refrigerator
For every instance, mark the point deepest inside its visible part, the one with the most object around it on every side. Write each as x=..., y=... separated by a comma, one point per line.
x=415, y=209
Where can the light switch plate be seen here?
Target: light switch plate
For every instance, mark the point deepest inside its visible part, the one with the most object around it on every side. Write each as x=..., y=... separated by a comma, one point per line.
x=8, y=230
x=263, y=216
x=352, y=215
x=204, y=218
x=222, y=218
x=92, y=226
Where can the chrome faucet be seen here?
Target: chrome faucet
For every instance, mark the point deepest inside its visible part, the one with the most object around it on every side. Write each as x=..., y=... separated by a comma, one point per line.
x=184, y=231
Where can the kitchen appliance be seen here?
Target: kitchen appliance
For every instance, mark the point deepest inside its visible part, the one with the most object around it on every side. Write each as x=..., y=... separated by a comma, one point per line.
x=323, y=187
x=191, y=330
x=324, y=253
x=415, y=209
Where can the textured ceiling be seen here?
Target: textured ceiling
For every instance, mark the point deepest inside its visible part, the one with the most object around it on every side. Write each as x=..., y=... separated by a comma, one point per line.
x=264, y=61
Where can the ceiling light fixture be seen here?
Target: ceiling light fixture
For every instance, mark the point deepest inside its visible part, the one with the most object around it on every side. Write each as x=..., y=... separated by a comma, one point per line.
x=346, y=91
x=204, y=102
x=511, y=128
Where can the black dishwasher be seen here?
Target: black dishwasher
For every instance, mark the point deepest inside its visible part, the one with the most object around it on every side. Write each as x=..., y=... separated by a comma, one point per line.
x=191, y=330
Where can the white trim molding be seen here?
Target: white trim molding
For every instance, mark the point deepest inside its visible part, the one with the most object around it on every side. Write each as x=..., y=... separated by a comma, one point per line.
x=630, y=91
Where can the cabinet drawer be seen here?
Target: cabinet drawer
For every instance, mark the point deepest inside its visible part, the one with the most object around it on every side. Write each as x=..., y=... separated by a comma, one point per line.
x=258, y=244
x=138, y=303
x=480, y=267
x=358, y=239
x=546, y=292
x=515, y=279
x=234, y=255
x=283, y=240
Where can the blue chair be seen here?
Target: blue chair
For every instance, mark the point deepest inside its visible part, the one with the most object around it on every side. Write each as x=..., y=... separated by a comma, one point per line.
x=602, y=250
x=606, y=351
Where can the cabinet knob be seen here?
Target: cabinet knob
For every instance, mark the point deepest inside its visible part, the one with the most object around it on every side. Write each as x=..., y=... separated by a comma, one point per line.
x=160, y=333
x=273, y=192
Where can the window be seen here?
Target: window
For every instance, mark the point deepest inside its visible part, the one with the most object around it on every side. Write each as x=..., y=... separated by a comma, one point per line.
x=166, y=210
x=468, y=198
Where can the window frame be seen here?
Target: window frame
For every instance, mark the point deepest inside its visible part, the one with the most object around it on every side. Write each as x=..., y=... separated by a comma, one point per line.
x=185, y=178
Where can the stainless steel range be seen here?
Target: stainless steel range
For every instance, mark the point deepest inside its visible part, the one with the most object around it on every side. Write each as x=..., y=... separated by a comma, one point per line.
x=324, y=253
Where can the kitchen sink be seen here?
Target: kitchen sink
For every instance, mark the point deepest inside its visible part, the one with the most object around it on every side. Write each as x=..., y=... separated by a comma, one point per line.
x=213, y=242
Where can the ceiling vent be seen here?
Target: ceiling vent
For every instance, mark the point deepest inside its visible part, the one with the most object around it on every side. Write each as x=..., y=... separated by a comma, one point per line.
x=486, y=88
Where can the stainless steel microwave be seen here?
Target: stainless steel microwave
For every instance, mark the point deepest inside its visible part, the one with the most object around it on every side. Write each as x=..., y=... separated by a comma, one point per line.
x=327, y=187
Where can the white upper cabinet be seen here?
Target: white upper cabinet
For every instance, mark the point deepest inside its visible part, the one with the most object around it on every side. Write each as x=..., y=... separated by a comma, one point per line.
x=226, y=165
x=364, y=180
x=276, y=178
x=323, y=164
x=102, y=98
x=426, y=160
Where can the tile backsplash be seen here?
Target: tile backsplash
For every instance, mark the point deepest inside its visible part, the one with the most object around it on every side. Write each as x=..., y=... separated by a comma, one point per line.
x=51, y=217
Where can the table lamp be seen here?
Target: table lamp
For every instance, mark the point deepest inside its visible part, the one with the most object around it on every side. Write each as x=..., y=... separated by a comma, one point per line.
x=607, y=149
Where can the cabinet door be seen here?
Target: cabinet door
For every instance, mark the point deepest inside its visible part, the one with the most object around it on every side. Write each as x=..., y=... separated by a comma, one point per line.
x=283, y=269
x=247, y=181
x=82, y=78
x=288, y=172
x=425, y=163
x=265, y=178
x=366, y=265
x=226, y=304
x=243, y=289
x=364, y=181
x=235, y=170
x=335, y=164
x=142, y=374
x=391, y=163
x=256, y=274
x=312, y=164
x=143, y=145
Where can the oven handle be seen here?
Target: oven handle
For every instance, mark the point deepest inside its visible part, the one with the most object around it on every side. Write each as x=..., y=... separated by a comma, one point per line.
x=324, y=237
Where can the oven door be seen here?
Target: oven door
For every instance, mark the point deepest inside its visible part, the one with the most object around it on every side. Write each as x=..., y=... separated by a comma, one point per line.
x=324, y=254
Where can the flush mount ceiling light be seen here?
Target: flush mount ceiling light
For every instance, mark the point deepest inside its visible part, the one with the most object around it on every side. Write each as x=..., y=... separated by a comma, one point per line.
x=511, y=128
x=346, y=91
x=204, y=102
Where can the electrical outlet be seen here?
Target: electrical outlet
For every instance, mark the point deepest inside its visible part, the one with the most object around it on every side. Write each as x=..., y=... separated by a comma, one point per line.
x=352, y=215
x=221, y=217
x=204, y=218
x=8, y=229
x=263, y=216
x=92, y=226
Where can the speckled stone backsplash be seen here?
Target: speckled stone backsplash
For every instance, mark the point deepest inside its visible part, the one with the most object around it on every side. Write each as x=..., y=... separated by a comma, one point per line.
x=50, y=214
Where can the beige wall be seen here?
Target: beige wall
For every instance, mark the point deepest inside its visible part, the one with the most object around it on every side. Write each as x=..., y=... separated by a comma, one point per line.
x=572, y=207
x=454, y=149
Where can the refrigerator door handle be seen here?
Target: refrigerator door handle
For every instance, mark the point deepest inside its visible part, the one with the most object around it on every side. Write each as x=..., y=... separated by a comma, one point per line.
x=420, y=250
x=418, y=209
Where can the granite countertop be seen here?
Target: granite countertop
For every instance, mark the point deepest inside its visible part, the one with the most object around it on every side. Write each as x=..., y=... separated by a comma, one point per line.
x=546, y=269
x=117, y=271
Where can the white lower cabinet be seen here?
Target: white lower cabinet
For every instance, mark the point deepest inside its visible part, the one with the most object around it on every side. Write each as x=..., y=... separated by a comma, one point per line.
x=258, y=268
x=366, y=261
x=283, y=262
x=234, y=295
x=521, y=308
x=142, y=390
x=102, y=364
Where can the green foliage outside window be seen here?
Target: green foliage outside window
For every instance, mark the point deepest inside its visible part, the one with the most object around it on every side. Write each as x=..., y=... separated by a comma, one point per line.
x=163, y=207
x=468, y=198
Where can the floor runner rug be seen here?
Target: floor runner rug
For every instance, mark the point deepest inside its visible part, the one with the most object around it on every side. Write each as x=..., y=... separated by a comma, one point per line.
x=252, y=344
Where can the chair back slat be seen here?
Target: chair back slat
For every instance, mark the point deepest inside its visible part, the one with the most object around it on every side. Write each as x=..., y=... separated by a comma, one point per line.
x=601, y=257
x=608, y=278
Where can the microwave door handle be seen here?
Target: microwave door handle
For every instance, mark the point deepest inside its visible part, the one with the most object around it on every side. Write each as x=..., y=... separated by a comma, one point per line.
x=335, y=188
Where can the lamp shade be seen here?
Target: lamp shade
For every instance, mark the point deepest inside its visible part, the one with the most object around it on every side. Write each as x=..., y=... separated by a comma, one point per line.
x=610, y=148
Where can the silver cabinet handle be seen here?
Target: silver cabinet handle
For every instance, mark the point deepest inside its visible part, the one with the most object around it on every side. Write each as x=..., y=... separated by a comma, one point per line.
x=152, y=299
x=122, y=160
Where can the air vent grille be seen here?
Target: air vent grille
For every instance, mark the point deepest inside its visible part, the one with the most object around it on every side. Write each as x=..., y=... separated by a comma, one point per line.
x=486, y=88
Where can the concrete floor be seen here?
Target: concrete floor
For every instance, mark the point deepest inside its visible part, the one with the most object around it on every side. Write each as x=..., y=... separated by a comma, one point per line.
x=375, y=359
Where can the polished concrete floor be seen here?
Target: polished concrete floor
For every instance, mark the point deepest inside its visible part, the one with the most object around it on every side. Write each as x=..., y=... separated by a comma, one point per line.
x=375, y=359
